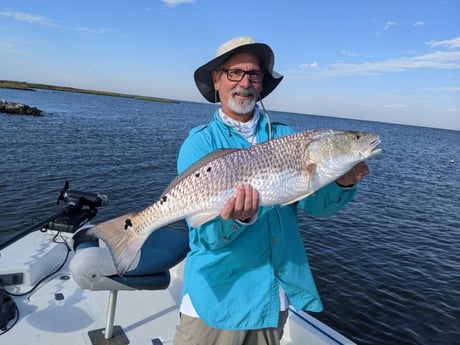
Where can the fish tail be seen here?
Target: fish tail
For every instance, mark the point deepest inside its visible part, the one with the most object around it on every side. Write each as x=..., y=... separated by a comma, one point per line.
x=122, y=240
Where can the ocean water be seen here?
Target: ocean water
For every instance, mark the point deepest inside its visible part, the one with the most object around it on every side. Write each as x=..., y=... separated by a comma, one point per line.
x=387, y=265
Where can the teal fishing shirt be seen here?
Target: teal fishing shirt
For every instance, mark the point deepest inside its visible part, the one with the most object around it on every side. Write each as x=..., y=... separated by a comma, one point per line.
x=233, y=270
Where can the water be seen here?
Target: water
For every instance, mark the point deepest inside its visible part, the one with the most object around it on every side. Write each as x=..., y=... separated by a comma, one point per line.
x=386, y=265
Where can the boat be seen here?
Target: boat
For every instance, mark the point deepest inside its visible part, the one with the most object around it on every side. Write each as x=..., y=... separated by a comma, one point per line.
x=57, y=286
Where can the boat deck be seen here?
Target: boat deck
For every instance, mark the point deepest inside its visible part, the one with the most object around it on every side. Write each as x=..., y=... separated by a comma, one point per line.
x=59, y=311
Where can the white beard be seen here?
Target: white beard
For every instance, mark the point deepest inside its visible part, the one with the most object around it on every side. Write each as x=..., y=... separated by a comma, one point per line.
x=243, y=106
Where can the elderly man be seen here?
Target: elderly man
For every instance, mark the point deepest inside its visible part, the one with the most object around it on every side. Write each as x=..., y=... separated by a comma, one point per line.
x=246, y=266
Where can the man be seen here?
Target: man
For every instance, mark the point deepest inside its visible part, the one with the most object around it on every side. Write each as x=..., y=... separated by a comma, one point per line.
x=246, y=266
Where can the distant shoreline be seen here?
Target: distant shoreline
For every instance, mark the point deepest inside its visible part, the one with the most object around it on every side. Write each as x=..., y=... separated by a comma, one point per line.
x=22, y=85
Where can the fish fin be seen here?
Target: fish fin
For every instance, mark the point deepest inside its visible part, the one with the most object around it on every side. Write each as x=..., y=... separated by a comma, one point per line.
x=121, y=238
x=201, y=218
x=309, y=172
x=296, y=199
x=197, y=165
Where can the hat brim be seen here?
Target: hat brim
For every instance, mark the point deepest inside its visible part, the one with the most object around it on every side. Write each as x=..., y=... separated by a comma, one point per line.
x=203, y=75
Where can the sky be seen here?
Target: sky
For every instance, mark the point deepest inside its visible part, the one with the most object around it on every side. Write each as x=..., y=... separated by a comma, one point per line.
x=394, y=61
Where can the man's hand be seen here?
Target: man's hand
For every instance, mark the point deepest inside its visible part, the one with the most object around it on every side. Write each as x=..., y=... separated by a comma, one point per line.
x=354, y=175
x=243, y=206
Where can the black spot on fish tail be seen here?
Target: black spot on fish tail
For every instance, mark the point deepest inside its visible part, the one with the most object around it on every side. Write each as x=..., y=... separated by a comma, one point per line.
x=128, y=223
x=209, y=169
x=165, y=198
x=197, y=175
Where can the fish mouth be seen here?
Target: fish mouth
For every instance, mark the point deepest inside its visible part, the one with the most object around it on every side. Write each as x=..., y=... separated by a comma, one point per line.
x=372, y=150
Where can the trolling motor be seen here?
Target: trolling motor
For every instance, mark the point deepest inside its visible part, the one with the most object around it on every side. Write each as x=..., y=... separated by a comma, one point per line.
x=81, y=207
x=81, y=199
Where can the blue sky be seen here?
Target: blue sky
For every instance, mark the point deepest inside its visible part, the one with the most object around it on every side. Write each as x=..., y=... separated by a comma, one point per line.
x=391, y=61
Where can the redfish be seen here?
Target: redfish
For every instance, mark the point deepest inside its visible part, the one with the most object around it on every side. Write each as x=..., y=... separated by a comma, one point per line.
x=283, y=170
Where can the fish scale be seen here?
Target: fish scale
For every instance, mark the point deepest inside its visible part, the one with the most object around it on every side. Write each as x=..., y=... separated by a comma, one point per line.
x=283, y=170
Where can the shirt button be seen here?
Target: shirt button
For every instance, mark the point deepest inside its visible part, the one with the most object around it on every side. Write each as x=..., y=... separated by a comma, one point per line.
x=275, y=240
x=224, y=238
x=234, y=227
x=277, y=273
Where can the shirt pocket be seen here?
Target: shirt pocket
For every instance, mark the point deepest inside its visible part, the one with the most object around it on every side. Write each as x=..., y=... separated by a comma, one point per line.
x=219, y=233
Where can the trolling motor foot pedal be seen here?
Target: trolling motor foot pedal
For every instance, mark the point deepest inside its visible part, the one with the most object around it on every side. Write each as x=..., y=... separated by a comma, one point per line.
x=119, y=337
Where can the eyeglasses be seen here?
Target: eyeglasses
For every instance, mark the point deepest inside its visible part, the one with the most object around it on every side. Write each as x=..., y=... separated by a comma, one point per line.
x=256, y=76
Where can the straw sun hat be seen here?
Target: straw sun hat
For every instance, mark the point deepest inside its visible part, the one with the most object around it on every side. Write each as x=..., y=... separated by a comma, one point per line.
x=203, y=75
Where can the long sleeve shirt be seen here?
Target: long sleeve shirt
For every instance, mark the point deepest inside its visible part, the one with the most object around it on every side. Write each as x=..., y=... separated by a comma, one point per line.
x=233, y=271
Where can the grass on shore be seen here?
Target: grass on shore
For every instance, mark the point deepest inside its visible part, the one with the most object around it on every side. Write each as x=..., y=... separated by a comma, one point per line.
x=22, y=85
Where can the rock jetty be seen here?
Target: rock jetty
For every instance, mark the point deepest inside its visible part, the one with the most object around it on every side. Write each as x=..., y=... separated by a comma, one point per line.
x=18, y=109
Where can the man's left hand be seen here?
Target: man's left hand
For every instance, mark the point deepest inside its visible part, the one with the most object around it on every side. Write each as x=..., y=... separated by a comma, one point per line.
x=243, y=206
x=354, y=175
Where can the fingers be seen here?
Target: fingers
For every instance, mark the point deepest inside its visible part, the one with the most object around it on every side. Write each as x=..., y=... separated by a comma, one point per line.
x=354, y=175
x=359, y=171
x=227, y=210
x=247, y=198
x=241, y=199
x=244, y=205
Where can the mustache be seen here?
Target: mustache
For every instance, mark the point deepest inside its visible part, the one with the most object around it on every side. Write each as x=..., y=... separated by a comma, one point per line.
x=244, y=92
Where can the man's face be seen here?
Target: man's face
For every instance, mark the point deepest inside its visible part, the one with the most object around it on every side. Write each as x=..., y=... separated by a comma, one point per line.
x=238, y=98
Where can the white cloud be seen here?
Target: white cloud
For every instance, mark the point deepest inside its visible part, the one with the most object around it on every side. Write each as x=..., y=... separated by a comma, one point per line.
x=419, y=23
x=389, y=24
x=94, y=31
x=440, y=59
x=349, y=53
x=29, y=18
x=40, y=20
x=177, y=2
x=396, y=106
x=436, y=60
x=307, y=66
x=451, y=44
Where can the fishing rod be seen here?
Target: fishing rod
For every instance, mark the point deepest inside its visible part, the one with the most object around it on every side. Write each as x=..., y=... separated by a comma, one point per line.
x=74, y=213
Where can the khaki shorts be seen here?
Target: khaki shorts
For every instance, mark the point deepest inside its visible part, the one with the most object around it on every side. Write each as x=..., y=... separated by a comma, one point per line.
x=192, y=331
